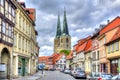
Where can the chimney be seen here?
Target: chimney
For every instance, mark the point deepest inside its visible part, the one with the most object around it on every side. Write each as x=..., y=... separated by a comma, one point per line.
x=108, y=21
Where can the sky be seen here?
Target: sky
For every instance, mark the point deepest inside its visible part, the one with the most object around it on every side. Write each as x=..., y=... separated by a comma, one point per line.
x=83, y=17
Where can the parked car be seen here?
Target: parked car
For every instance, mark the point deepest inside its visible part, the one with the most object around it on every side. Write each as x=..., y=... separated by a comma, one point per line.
x=80, y=74
x=74, y=71
x=62, y=70
x=117, y=77
x=100, y=76
x=67, y=71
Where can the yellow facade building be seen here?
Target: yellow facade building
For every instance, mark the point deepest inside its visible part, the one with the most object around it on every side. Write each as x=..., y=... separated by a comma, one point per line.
x=113, y=50
x=25, y=54
x=106, y=46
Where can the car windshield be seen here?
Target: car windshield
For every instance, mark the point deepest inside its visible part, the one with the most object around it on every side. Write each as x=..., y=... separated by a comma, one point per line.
x=106, y=76
x=77, y=69
x=81, y=71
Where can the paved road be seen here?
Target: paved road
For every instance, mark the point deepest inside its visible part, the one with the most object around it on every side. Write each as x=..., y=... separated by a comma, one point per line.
x=56, y=75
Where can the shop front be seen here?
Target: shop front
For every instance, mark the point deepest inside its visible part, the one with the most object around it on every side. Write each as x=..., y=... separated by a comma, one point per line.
x=104, y=65
x=115, y=66
x=23, y=66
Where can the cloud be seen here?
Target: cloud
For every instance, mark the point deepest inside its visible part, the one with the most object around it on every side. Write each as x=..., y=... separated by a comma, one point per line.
x=83, y=17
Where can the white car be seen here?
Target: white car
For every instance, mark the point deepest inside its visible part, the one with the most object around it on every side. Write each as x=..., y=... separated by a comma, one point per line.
x=100, y=76
x=117, y=77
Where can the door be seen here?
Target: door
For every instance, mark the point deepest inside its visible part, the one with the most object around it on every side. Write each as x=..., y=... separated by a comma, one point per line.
x=23, y=67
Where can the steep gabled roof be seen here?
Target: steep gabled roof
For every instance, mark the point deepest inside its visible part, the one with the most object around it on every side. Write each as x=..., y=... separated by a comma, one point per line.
x=114, y=23
x=115, y=36
x=59, y=57
x=89, y=45
x=82, y=44
x=81, y=47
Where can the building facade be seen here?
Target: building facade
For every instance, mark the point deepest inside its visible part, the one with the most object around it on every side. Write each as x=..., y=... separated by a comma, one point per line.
x=7, y=24
x=25, y=46
x=62, y=40
x=61, y=62
x=94, y=56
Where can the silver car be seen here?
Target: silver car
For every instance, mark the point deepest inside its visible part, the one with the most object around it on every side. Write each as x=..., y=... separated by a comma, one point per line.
x=80, y=74
x=117, y=77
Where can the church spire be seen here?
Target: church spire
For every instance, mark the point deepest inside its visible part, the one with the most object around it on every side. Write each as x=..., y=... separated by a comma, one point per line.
x=65, y=26
x=58, y=33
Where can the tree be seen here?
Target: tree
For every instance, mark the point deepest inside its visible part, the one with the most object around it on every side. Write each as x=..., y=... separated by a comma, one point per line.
x=66, y=52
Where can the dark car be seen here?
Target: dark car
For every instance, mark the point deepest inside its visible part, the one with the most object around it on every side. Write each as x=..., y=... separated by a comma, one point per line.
x=80, y=74
x=100, y=76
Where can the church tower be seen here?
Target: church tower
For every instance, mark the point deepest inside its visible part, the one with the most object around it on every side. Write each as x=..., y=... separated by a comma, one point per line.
x=65, y=39
x=58, y=34
x=62, y=40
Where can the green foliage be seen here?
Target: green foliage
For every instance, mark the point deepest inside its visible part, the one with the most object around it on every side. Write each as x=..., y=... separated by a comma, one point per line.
x=66, y=52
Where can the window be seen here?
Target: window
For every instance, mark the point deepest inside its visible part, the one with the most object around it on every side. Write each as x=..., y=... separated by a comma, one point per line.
x=94, y=55
x=104, y=40
x=2, y=2
x=112, y=47
x=19, y=20
x=0, y=26
x=60, y=61
x=9, y=9
x=117, y=46
x=10, y=31
x=108, y=49
x=3, y=27
x=64, y=61
x=7, y=30
x=97, y=54
x=13, y=12
x=19, y=42
x=6, y=5
x=23, y=43
x=15, y=40
x=67, y=40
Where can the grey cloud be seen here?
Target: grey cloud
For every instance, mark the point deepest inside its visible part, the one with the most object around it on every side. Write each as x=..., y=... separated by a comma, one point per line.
x=82, y=13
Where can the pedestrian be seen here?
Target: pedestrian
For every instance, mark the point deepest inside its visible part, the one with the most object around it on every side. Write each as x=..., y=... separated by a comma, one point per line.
x=42, y=70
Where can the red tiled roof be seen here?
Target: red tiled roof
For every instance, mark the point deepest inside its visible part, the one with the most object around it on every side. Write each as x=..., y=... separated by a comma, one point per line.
x=55, y=56
x=43, y=59
x=32, y=13
x=81, y=47
x=59, y=57
x=70, y=55
x=114, y=23
x=88, y=46
x=82, y=44
x=115, y=36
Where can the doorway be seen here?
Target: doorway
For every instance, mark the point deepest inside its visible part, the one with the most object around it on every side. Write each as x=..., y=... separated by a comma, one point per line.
x=5, y=59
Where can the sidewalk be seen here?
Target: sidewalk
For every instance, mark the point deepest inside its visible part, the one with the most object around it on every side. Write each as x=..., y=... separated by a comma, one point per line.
x=35, y=76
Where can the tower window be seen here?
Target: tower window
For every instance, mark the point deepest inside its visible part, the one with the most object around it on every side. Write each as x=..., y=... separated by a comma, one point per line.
x=67, y=40
x=61, y=40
